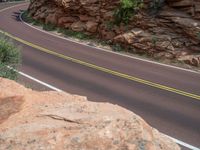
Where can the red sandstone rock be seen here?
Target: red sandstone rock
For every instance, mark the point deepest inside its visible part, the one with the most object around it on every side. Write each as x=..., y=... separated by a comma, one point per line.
x=175, y=28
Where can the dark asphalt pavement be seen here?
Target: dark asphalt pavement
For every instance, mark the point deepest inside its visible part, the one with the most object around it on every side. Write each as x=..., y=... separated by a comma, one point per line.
x=175, y=115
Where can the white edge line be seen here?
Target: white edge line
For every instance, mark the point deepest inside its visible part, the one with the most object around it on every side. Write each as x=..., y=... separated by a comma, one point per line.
x=116, y=53
x=59, y=90
x=13, y=6
x=183, y=143
x=40, y=82
x=36, y=80
x=14, y=2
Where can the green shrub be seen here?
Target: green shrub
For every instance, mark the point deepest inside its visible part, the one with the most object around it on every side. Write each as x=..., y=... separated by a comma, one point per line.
x=156, y=5
x=26, y=17
x=9, y=56
x=117, y=47
x=37, y=23
x=71, y=33
x=109, y=25
x=154, y=40
x=126, y=10
x=49, y=27
x=198, y=35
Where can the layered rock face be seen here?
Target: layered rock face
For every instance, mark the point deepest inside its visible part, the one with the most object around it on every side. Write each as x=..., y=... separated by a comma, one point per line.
x=172, y=33
x=60, y=121
x=191, y=7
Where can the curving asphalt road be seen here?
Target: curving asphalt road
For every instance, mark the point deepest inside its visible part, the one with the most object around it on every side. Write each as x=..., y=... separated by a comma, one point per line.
x=174, y=114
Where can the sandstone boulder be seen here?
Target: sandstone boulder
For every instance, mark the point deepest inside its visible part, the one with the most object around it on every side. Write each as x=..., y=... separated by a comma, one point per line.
x=60, y=121
x=51, y=18
x=193, y=60
x=78, y=26
x=91, y=26
x=63, y=20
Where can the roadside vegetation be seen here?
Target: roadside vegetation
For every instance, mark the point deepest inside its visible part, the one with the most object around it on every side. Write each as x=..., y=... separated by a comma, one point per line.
x=126, y=10
x=65, y=32
x=68, y=33
x=71, y=33
x=51, y=27
x=10, y=58
x=95, y=41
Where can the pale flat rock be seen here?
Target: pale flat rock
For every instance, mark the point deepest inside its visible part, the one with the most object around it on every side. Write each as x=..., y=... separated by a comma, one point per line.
x=61, y=121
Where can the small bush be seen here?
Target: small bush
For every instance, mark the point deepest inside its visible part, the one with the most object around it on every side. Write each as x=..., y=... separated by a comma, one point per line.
x=9, y=56
x=71, y=33
x=49, y=27
x=126, y=10
x=26, y=17
x=117, y=47
x=109, y=25
x=37, y=23
x=156, y=5
x=154, y=40
x=198, y=35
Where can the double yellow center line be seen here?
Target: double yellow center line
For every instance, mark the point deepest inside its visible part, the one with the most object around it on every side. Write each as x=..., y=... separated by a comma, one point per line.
x=115, y=73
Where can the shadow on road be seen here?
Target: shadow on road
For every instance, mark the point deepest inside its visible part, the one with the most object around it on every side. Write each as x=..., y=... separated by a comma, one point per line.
x=16, y=15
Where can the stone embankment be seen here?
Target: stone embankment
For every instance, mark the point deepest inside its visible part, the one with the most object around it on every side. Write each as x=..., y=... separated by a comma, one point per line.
x=173, y=32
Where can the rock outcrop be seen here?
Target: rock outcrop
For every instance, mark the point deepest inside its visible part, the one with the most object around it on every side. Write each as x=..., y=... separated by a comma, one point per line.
x=191, y=7
x=60, y=121
x=173, y=32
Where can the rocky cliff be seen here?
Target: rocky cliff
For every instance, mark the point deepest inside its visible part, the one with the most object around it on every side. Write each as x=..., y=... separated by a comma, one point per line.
x=166, y=29
x=58, y=121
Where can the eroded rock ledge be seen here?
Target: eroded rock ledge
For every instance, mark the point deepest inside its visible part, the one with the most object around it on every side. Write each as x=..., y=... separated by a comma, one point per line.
x=60, y=121
x=173, y=33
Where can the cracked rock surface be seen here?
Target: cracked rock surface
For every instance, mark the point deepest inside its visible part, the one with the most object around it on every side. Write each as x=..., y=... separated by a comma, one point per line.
x=60, y=121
